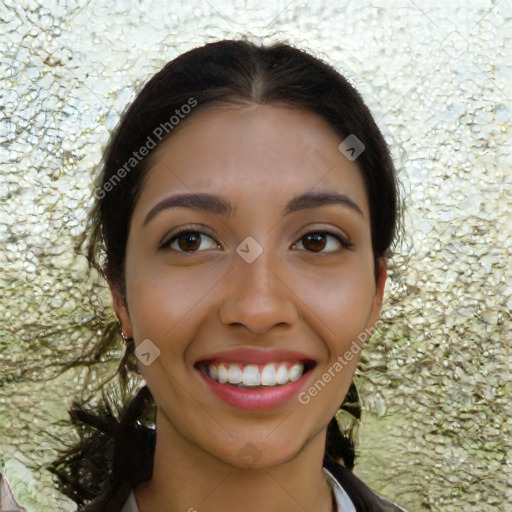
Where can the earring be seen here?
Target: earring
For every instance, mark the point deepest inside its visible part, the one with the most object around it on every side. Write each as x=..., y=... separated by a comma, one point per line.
x=123, y=335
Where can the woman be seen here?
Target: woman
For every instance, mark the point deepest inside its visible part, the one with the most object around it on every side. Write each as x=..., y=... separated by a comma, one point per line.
x=246, y=210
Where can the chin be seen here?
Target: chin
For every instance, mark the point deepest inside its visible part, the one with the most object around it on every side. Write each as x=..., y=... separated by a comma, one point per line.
x=252, y=455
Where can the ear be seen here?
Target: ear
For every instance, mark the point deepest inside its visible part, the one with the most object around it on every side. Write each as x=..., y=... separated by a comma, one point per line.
x=379, y=294
x=121, y=310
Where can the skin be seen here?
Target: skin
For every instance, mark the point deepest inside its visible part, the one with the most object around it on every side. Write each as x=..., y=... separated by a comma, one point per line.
x=192, y=304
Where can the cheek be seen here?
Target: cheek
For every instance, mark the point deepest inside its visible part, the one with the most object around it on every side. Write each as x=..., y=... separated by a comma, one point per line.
x=161, y=296
x=158, y=310
x=167, y=306
x=341, y=300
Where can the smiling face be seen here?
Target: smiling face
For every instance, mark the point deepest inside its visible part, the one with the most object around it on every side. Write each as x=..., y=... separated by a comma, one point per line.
x=269, y=282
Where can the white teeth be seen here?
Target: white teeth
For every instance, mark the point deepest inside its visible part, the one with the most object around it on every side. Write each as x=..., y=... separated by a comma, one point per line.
x=223, y=374
x=212, y=370
x=295, y=372
x=272, y=374
x=268, y=375
x=234, y=374
x=282, y=374
x=251, y=375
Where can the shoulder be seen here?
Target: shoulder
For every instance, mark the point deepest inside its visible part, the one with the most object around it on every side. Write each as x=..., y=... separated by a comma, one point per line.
x=363, y=498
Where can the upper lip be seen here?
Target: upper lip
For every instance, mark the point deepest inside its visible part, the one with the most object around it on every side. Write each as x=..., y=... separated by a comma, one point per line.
x=256, y=356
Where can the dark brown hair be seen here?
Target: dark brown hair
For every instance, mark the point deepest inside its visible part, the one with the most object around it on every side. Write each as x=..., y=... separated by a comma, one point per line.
x=116, y=453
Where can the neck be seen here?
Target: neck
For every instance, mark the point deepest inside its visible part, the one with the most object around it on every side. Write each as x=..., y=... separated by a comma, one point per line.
x=186, y=478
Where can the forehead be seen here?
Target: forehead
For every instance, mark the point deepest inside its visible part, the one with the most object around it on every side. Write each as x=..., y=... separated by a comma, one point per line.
x=266, y=152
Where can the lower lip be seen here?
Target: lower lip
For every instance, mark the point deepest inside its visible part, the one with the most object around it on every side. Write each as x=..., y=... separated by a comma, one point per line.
x=255, y=398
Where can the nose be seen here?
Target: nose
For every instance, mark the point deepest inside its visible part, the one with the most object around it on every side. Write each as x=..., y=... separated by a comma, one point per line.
x=256, y=297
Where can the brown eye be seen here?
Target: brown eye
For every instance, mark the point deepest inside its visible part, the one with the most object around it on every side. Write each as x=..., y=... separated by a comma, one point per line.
x=314, y=242
x=188, y=241
x=319, y=240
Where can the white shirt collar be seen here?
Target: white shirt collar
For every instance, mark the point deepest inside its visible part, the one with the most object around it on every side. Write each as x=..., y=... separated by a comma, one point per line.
x=343, y=501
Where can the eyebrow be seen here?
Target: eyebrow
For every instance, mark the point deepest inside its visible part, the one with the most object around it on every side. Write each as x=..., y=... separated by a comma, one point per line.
x=220, y=206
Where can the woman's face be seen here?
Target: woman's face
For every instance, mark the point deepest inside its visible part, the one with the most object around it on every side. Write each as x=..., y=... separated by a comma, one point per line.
x=258, y=291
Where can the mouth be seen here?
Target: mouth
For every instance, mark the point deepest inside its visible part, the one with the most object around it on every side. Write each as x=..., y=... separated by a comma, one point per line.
x=255, y=379
x=255, y=376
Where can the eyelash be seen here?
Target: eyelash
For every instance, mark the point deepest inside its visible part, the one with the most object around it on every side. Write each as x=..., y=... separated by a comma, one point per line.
x=343, y=242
